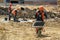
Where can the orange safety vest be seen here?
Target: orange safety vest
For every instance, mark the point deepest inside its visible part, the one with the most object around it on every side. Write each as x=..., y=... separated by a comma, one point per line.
x=10, y=5
x=41, y=15
x=14, y=12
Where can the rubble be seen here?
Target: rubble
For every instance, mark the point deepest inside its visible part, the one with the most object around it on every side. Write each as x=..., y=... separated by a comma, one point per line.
x=51, y=10
x=3, y=11
x=24, y=31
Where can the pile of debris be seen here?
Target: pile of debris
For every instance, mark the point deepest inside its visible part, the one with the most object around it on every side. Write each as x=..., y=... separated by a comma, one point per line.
x=3, y=11
x=31, y=13
x=28, y=13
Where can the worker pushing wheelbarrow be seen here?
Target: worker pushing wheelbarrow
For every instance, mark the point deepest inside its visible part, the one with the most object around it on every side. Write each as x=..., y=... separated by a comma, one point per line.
x=39, y=24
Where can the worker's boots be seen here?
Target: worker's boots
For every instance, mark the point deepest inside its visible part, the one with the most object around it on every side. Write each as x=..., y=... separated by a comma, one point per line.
x=16, y=21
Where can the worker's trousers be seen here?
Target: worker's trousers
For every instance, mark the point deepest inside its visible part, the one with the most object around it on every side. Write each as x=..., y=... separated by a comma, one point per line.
x=9, y=16
x=15, y=19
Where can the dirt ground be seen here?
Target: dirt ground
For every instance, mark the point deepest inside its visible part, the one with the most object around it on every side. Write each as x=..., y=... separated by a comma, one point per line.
x=24, y=31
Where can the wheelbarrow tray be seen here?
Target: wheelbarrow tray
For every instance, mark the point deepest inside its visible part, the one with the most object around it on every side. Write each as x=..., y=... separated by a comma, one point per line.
x=38, y=24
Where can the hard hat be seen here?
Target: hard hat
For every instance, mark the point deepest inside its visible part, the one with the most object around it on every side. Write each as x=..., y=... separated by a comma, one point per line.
x=41, y=8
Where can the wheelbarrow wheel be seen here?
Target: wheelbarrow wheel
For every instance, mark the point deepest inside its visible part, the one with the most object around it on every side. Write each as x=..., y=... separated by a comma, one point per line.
x=39, y=33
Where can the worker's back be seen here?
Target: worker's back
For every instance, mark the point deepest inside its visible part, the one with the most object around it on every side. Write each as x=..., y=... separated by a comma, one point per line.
x=14, y=12
x=39, y=16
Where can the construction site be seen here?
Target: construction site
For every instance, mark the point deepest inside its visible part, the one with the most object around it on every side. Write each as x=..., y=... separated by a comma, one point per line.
x=24, y=30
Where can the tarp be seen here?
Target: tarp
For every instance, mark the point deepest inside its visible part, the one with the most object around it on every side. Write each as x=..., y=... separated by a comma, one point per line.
x=28, y=20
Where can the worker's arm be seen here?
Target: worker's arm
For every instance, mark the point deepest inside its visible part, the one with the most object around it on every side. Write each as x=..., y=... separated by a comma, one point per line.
x=36, y=14
x=8, y=9
x=45, y=13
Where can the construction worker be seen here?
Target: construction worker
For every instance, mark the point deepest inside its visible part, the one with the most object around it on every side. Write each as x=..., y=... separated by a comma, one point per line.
x=14, y=12
x=10, y=10
x=40, y=17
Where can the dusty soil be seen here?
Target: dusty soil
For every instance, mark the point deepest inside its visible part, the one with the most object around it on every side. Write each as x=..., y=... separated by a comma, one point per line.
x=24, y=31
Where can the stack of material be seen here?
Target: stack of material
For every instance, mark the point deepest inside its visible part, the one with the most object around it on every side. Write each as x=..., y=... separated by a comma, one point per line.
x=58, y=2
x=58, y=8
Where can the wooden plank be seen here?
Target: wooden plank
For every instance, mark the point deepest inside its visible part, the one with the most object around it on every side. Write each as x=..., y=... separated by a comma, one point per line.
x=14, y=0
x=1, y=1
x=58, y=2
